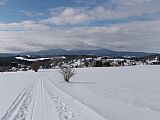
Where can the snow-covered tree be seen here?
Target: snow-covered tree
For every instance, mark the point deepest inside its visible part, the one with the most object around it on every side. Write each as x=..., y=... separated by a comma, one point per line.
x=67, y=72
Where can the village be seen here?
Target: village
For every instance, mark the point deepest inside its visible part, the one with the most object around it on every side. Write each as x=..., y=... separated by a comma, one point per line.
x=24, y=63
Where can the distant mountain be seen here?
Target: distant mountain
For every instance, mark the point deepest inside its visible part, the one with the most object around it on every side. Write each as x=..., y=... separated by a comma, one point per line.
x=7, y=54
x=99, y=52
x=51, y=52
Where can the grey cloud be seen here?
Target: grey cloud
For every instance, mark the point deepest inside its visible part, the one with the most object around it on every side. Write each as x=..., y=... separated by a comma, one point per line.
x=14, y=49
x=134, y=36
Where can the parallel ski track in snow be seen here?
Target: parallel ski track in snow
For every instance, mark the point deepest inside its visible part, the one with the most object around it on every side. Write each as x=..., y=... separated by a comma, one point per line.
x=62, y=109
x=23, y=107
x=20, y=107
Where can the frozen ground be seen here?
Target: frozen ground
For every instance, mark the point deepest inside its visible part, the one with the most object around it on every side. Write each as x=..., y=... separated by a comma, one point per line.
x=122, y=93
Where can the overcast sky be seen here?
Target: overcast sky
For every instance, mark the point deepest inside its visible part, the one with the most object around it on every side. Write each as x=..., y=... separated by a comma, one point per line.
x=32, y=25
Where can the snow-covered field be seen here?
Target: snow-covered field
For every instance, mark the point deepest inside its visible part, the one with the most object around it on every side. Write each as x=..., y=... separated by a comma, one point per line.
x=120, y=93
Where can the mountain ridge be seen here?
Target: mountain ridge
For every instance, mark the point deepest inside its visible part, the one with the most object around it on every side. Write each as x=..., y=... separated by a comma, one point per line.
x=98, y=52
x=61, y=52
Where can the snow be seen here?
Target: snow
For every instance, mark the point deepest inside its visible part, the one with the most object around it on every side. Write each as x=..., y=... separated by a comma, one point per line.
x=112, y=93
x=31, y=60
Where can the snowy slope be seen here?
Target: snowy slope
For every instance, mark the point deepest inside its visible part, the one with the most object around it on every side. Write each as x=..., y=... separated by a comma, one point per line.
x=120, y=93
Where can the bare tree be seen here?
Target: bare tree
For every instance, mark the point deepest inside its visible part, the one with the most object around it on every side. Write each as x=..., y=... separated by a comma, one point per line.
x=35, y=66
x=67, y=72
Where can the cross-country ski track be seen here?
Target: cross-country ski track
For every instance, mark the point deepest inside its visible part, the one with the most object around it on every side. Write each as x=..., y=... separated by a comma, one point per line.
x=117, y=93
x=42, y=100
